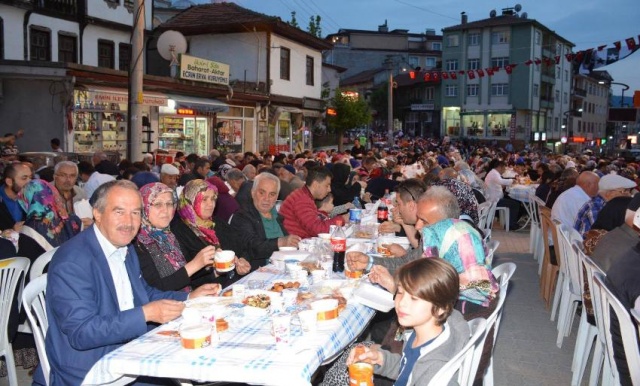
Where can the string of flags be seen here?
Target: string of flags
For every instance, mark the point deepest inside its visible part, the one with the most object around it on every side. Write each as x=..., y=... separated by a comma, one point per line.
x=587, y=60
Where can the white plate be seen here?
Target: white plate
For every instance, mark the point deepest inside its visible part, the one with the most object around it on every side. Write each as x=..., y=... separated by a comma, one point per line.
x=326, y=287
x=374, y=297
x=207, y=301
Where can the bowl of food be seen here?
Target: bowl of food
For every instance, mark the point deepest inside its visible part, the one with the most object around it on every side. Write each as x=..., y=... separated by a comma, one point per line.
x=224, y=261
x=327, y=309
x=256, y=305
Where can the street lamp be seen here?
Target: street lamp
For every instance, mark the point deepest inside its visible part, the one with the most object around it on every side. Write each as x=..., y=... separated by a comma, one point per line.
x=388, y=62
x=626, y=87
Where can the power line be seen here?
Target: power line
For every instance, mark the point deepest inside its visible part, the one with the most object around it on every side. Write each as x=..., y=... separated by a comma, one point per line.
x=425, y=9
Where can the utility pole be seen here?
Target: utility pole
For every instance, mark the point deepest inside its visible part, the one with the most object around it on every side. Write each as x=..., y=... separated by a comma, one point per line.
x=136, y=72
x=389, y=65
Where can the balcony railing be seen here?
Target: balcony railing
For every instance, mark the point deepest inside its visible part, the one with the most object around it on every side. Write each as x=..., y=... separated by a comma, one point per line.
x=64, y=7
x=580, y=92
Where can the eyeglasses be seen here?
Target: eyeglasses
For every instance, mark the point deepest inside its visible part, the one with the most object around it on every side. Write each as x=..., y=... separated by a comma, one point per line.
x=165, y=205
x=410, y=194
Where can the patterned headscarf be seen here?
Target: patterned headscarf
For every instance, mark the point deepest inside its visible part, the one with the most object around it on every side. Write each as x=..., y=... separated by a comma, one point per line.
x=46, y=212
x=461, y=245
x=189, y=209
x=161, y=243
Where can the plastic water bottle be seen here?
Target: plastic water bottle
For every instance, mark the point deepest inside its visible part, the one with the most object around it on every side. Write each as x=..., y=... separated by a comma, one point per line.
x=356, y=203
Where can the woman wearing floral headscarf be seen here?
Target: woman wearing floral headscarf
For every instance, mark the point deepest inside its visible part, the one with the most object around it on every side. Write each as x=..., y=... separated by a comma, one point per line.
x=193, y=225
x=162, y=262
x=47, y=215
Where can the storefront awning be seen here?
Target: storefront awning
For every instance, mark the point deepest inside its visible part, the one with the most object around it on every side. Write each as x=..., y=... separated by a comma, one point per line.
x=121, y=95
x=207, y=105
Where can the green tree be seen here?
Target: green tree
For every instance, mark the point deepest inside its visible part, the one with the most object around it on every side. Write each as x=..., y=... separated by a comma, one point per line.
x=314, y=27
x=294, y=21
x=351, y=111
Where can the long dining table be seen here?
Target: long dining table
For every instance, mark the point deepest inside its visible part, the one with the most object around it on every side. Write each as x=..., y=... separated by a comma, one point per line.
x=245, y=353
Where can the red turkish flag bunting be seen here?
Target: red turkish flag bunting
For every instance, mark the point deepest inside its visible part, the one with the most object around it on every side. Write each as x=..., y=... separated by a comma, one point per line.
x=509, y=67
x=529, y=62
x=445, y=75
x=427, y=77
x=569, y=57
x=579, y=56
x=537, y=61
x=435, y=76
x=453, y=75
x=471, y=74
x=557, y=59
x=490, y=71
x=600, y=48
x=618, y=45
x=461, y=72
x=631, y=43
x=480, y=73
x=496, y=69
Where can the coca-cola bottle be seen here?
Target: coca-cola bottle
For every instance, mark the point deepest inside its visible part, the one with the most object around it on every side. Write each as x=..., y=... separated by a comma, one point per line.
x=339, y=246
x=383, y=209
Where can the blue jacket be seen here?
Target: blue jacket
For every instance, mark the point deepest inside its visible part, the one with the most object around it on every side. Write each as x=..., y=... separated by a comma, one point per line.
x=85, y=321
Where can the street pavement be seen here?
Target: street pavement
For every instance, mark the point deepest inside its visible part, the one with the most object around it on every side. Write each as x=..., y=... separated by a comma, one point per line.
x=526, y=352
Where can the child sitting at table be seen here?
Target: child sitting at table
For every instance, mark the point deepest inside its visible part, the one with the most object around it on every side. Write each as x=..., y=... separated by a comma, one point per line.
x=427, y=290
x=325, y=206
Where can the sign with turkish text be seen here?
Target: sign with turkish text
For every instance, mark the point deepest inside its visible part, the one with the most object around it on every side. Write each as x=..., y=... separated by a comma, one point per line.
x=99, y=96
x=422, y=106
x=203, y=70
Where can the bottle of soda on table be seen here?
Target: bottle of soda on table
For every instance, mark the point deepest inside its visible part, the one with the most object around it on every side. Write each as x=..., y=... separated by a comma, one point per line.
x=339, y=246
x=383, y=209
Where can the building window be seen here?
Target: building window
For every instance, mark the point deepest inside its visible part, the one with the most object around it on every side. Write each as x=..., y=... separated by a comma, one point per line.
x=558, y=72
x=430, y=62
x=451, y=90
x=452, y=65
x=285, y=63
x=67, y=49
x=436, y=46
x=429, y=92
x=500, y=89
x=472, y=90
x=414, y=61
x=565, y=98
x=106, y=54
x=566, y=75
x=453, y=41
x=473, y=39
x=500, y=62
x=40, y=44
x=557, y=95
x=310, y=71
x=537, y=37
x=501, y=37
x=124, y=56
x=536, y=90
x=473, y=64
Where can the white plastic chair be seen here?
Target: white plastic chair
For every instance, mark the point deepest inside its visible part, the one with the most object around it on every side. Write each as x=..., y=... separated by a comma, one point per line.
x=636, y=315
x=569, y=293
x=485, y=211
x=491, y=250
x=536, y=228
x=503, y=212
x=33, y=299
x=465, y=362
x=627, y=328
x=12, y=274
x=587, y=333
x=41, y=262
x=539, y=249
x=503, y=272
x=495, y=318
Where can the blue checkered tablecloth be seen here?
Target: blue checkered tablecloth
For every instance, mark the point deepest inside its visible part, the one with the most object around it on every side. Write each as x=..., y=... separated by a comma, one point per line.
x=246, y=353
x=521, y=192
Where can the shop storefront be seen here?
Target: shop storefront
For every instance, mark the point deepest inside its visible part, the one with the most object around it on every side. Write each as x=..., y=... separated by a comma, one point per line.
x=100, y=118
x=486, y=124
x=290, y=129
x=451, y=121
x=234, y=129
x=186, y=124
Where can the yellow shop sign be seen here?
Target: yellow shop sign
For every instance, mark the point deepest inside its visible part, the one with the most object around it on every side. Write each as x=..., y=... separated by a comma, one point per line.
x=202, y=70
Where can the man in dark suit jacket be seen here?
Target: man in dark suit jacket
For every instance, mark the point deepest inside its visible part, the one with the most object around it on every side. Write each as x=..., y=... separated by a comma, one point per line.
x=97, y=299
x=258, y=225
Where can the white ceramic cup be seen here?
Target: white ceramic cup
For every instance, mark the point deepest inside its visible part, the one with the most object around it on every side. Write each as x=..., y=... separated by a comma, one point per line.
x=289, y=297
x=281, y=328
x=223, y=261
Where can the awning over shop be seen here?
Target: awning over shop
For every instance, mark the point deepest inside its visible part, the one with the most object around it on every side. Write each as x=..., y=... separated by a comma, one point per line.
x=121, y=95
x=205, y=105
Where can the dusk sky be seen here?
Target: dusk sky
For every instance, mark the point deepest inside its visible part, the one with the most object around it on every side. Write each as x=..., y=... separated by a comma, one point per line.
x=586, y=23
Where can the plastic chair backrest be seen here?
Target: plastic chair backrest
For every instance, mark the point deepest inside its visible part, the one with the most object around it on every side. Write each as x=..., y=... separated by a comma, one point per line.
x=492, y=246
x=496, y=316
x=33, y=299
x=503, y=272
x=548, y=228
x=567, y=238
x=483, y=214
x=41, y=262
x=590, y=268
x=628, y=331
x=636, y=315
x=533, y=205
x=465, y=362
x=12, y=274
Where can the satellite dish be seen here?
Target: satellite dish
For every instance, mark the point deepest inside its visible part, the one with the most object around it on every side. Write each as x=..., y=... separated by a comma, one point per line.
x=171, y=44
x=492, y=13
x=518, y=7
x=524, y=15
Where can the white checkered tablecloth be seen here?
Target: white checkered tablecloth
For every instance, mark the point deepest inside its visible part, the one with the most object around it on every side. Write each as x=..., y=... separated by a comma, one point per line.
x=245, y=353
x=521, y=192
